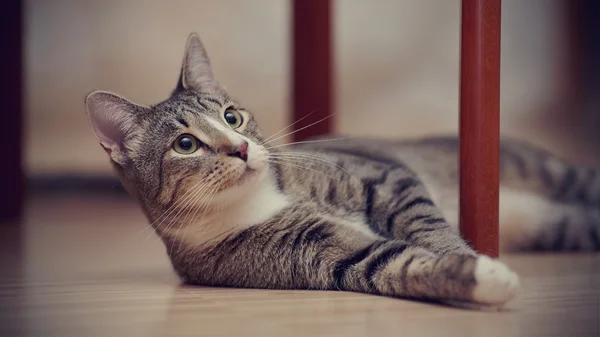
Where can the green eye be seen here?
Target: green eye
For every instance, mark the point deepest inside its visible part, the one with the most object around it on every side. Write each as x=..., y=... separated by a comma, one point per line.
x=233, y=118
x=185, y=144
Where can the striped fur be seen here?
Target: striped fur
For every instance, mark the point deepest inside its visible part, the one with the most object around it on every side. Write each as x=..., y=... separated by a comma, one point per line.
x=364, y=215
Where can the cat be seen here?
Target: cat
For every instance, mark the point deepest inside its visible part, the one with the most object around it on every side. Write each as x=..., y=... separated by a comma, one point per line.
x=364, y=215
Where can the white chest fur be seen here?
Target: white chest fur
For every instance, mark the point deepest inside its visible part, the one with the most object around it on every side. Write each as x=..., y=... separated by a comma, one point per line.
x=235, y=209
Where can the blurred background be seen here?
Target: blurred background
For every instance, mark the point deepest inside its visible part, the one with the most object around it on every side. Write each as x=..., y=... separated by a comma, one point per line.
x=396, y=66
x=396, y=72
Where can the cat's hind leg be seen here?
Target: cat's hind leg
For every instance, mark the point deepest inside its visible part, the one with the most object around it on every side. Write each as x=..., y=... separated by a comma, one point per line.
x=532, y=222
x=531, y=169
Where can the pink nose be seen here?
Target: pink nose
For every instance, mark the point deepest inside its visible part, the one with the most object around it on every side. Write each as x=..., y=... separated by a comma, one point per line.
x=241, y=151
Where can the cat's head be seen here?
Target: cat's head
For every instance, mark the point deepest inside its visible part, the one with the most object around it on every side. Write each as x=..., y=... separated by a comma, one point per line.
x=198, y=142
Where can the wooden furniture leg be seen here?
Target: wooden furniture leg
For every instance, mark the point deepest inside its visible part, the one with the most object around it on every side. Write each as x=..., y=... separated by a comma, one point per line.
x=312, y=66
x=479, y=124
x=11, y=135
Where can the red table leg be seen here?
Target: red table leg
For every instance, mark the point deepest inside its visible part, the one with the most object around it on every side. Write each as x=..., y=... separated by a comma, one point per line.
x=479, y=124
x=312, y=66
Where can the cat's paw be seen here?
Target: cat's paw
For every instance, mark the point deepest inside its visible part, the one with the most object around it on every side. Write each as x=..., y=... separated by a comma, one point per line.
x=496, y=284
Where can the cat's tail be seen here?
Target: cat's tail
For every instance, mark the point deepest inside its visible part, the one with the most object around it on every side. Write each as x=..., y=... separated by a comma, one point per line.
x=547, y=203
x=525, y=167
x=530, y=222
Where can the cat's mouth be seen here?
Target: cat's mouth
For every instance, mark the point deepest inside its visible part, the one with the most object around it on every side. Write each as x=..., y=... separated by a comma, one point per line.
x=250, y=169
x=247, y=174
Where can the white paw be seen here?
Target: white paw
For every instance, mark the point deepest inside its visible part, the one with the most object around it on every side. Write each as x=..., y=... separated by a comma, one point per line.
x=496, y=284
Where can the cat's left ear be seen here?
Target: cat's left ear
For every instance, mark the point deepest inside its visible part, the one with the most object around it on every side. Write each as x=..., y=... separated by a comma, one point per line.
x=196, y=71
x=113, y=119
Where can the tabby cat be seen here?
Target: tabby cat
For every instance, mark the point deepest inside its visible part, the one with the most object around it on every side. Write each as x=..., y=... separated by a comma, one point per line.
x=363, y=215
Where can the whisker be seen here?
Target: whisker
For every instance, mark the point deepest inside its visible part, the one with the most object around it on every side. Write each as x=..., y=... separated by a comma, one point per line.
x=198, y=202
x=307, y=141
x=302, y=128
x=179, y=224
x=195, y=196
x=181, y=200
x=203, y=206
x=287, y=163
x=203, y=201
x=284, y=163
x=167, y=212
x=280, y=131
x=299, y=155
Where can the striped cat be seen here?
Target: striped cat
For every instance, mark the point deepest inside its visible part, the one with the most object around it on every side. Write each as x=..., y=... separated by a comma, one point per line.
x=371, y=216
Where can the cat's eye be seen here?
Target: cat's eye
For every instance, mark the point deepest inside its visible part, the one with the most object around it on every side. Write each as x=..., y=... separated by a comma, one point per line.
x=185, y=144
x=233, y=118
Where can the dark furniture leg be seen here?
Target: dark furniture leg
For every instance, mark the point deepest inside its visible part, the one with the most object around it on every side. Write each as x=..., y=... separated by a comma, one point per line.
x=479, y=124
x=312, y=72
x=11, y=133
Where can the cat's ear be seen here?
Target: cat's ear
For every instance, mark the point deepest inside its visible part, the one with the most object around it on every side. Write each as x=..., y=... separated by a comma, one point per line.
x=196, y=72
x=113, y=119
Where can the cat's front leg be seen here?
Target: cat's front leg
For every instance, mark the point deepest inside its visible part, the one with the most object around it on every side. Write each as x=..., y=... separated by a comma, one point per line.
x=418, y=274
x=308, y=251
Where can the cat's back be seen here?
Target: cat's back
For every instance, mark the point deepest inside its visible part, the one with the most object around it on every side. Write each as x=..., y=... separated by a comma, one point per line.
x=331, y=169
x=432, y=156
x=434, y=160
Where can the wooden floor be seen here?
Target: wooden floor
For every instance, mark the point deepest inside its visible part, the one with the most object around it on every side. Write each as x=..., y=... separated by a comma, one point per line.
x=87, y=267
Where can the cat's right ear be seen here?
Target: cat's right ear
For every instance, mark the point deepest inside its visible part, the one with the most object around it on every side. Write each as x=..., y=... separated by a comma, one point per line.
x=113, y=119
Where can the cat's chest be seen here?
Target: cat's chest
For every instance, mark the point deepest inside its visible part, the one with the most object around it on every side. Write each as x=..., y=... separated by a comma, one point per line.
x=256, y=209
x=234, y=214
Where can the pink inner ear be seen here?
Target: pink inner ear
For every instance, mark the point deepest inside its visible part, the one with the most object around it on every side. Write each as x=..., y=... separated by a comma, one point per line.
x=111, y=117
x=106, y=149
x=108, y=126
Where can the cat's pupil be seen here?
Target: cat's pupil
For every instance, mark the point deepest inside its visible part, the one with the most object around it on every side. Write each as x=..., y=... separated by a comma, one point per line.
x=230, y=118
x=186, y=143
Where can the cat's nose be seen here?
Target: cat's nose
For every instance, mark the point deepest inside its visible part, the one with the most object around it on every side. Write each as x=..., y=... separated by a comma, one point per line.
x=240, y=151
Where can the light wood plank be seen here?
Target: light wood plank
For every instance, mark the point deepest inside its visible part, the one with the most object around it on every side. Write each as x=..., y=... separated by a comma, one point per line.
x=87, y=269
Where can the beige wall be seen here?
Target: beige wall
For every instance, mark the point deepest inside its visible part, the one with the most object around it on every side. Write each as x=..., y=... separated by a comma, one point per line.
x=397, y=64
